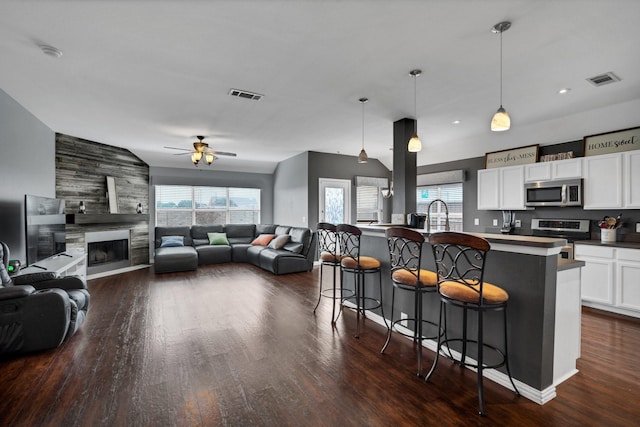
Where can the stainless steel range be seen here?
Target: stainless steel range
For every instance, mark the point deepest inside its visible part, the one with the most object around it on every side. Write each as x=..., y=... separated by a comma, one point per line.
x=570, y=229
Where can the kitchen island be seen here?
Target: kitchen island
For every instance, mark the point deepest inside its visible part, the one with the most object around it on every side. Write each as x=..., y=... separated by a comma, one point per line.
x=543, y=312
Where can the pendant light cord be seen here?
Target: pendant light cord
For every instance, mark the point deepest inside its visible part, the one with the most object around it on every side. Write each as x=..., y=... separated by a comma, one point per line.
x=363, y=124
x=501, y=68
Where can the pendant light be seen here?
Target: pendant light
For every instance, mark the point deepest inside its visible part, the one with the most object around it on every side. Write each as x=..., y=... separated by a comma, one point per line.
x=415, y=144
x=501, y=120
x=362, y=157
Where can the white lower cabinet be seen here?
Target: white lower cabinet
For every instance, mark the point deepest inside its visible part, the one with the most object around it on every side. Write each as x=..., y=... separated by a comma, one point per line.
x=628, y=274
x=610, y=278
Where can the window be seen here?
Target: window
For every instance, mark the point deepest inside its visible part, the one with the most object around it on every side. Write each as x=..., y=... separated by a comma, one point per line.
x=369, y=206
x=451, y=194
x=369, y=198
x=184, y=205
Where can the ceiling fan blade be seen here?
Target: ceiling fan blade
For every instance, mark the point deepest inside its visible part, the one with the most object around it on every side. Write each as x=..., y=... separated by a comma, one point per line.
x=181, y=154
x=175, y=148
x=223, y=153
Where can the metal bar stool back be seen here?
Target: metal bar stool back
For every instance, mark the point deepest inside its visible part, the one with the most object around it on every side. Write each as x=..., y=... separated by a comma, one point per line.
x=460, y=263
x=405, y=253
x=351, y=261
x=329, y=250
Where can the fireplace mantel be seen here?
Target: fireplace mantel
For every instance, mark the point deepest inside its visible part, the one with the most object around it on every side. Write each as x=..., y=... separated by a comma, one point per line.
x=106, y=218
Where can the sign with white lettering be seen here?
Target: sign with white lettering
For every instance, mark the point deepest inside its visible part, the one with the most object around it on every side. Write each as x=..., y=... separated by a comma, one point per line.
x=513, y=157
x=612, y=142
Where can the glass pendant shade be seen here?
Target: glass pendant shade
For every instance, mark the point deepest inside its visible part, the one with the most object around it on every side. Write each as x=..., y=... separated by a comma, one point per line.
x=209, y=157
x=415, y=144
x=195, y=157
x=362, y=157
x=501, y=120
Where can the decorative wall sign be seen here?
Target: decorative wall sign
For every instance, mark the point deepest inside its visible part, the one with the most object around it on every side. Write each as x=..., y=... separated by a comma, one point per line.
x=513, y=157
x=612, y=142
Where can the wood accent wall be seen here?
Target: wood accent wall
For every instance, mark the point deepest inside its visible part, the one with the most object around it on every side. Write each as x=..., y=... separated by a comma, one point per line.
x=81, y=170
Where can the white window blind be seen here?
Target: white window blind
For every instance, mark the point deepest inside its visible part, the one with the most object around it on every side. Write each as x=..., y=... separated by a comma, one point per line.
x=185, y=205
x=368, y=203
x=452, y=195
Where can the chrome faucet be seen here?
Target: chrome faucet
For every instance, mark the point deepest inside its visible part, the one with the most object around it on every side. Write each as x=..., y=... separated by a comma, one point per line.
x=446, y=211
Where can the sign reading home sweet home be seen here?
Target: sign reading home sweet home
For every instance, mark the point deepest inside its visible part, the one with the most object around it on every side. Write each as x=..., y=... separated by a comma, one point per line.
x=513, y=157
x=612, y=142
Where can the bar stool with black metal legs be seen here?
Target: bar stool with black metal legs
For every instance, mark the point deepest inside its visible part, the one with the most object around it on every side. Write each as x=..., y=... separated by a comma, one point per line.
x=405, y=251
x=328, y=248
x=351, y=261
x=460, y=260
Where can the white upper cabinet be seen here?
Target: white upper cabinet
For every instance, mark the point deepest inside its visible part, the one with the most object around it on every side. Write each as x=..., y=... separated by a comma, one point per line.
x=501, y=188
x=603, y=181
x=631, y=179
x=488, y=189
x=512, y=188
x=558, y=169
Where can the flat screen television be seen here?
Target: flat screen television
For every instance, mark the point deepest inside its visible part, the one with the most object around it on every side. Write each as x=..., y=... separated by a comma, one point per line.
x=45, y=227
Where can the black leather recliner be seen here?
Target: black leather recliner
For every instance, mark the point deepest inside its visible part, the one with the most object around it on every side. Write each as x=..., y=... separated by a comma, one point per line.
x=38, y=311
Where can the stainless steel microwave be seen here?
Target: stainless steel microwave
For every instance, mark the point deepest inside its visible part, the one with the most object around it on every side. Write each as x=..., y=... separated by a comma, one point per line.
x=566, y=192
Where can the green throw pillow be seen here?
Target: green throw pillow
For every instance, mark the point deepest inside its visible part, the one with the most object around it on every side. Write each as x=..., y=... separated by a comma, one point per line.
x=218, y=238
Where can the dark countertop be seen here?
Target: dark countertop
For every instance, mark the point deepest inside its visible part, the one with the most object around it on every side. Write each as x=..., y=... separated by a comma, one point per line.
x=567, y=264
x=507, y=239
x=627, y=245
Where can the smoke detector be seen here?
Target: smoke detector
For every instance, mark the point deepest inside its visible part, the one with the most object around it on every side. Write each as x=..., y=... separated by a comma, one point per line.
x=245, y=94
x=603, y=79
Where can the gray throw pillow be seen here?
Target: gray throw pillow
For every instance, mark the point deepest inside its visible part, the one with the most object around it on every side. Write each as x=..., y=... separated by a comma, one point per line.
x=279, y=241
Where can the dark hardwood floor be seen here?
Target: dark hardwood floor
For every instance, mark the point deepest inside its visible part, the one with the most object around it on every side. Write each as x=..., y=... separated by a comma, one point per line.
x=233, y=345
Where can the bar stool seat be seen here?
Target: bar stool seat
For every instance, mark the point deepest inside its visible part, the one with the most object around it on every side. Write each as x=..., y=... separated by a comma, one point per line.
x=491, y=294
x=359, y=265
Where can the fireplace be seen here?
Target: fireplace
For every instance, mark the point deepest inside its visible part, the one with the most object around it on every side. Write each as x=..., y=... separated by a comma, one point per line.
x=107, y=250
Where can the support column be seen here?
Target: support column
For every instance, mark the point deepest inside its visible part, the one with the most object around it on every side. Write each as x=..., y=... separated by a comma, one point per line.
x=405, y=170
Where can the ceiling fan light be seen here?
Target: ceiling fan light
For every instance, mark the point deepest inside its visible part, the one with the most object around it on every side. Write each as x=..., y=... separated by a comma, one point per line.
x=362, y=157
x=196, y=156
x=501, y=120
x=415, y=144
x=209, y=157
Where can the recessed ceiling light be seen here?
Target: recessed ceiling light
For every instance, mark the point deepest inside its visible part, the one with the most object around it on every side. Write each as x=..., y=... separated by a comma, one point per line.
x=50, y=50
x=564, y=90
x=456, y=122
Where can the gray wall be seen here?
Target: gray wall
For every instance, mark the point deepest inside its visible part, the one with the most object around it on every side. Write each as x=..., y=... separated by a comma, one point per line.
x=338, y=166
x=291, y=191
x=27, y=166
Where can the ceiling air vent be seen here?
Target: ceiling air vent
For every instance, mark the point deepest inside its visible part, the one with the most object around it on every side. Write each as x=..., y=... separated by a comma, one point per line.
x=603, y=79
x=244, y=94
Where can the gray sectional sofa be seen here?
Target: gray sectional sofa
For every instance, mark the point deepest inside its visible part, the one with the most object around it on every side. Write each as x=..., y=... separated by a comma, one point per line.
x=293, y=254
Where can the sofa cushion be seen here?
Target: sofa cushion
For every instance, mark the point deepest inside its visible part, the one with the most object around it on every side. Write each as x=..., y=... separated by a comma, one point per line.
x=279, y=241
x=218, y=239
x=263, y=239
x=199, y=232
x=296, y=248
x=213, y=254
x=282, y=229
x=172, y=259
x=240, y=233
x=171, y=241
x=173, y=231
x=265, y=229
x=300, y=236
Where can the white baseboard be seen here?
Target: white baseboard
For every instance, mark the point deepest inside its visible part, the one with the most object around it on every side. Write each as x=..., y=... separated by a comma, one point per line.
x=117, y=271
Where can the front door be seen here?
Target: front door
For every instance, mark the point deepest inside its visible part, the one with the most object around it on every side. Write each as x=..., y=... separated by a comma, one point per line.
x=335, y=201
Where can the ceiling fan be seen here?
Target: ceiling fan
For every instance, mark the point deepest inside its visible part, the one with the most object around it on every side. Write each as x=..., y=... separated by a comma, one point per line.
x=201, y=149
